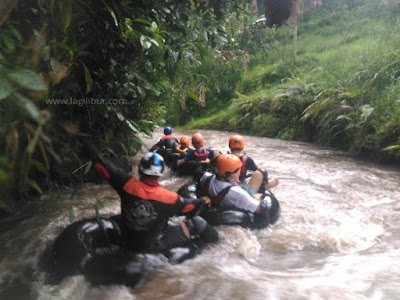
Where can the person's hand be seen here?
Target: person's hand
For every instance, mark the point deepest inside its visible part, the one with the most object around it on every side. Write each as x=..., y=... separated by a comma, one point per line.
x=207, y=200
x=207, y=161
x=257, y=196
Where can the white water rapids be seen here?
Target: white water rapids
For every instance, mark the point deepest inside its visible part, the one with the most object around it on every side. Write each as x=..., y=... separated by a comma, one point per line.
x=338, y=236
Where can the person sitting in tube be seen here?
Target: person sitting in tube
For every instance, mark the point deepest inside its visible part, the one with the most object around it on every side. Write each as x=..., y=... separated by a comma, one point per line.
x=199, y=154
x=183, y=148
x=250, y=173
x=146, y=209
x=225, y=190
x=167, y=144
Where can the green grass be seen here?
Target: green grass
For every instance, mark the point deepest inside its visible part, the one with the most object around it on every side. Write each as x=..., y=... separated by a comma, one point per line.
x=216, y=121
x=351, y=56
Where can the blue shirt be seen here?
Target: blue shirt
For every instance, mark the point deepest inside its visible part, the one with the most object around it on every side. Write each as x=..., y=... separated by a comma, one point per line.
x=191, y=156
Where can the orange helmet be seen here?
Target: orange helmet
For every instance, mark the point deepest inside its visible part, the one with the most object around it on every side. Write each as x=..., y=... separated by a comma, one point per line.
x=236, y=142
x=197, y=140
x=184, y=141
x=228, y=163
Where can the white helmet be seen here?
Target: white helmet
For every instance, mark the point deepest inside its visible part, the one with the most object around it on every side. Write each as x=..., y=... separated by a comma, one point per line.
x=152, y=164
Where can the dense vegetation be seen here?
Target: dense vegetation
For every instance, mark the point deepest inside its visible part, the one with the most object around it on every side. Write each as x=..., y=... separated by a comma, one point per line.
x=337, y=84
x=103, y=68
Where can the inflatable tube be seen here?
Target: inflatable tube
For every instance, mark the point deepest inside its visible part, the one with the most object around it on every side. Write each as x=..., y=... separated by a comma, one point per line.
x=81, y=241
x=170, y=158
x=93, y=247
x=190, y=167
x=219, y=216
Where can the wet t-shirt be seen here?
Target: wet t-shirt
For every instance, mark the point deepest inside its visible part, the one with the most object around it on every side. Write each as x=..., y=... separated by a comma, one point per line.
x=236, y=197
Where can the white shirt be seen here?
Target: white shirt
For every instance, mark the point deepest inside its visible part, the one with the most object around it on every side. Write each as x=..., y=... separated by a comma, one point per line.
x=236, y=196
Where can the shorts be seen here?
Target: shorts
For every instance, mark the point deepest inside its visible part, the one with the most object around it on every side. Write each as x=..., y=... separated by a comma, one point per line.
x=248, y=189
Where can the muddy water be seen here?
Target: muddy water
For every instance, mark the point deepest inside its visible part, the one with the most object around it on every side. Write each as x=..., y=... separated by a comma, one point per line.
x=338, y=236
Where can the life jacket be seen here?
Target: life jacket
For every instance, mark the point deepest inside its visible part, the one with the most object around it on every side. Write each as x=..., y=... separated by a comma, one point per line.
x=141, y=206
x=168, y=142
x=169, y=136
x=202, y=155
x=180, y=150
x=243, y=170
x=221, y=195
x=150, y=190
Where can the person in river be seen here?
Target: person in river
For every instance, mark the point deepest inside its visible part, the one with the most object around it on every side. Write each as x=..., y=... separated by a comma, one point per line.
x=225, y=190
x=146, y=209
x=183, y=148
x=253, y=178
x=179, y=152
x=168, y=143
x=166, y=146
x=197, y=158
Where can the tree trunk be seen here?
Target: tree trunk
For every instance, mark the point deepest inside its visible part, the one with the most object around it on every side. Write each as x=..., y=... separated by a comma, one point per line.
x=253, y=7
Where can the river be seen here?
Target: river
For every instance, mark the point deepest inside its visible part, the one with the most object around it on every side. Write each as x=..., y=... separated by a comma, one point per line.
x=338, y=236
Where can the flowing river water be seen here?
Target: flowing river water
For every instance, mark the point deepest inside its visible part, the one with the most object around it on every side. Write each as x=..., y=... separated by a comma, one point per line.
x=338, y=236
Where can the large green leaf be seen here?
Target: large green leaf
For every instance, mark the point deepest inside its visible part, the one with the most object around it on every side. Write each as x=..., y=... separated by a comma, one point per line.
x=5, y=88
x=193, y=96
x=88, y=79
x=34, y=185
x=64, y=13
x=145, y=42
x=143, y=21
x=132, y=125
x=366, y=111
x=392, y=148
x=26, y=105
x=39, y=166
x=55, y=65
x=88, y=166
x=27, y=79
x=112, y=13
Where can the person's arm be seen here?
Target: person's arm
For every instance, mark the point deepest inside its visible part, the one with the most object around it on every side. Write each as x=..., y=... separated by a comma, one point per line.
x=104, y=166
x=156, y=146
x=192, y=206
x=188, y=156
x=250, y=164
x=115, y=176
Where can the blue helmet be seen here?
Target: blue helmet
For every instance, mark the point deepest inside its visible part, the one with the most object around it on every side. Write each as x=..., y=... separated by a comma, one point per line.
x=152, y=164
x=167, y=130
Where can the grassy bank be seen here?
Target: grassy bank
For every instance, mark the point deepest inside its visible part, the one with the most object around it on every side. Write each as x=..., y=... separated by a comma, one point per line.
x=339, y=89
